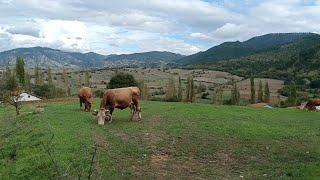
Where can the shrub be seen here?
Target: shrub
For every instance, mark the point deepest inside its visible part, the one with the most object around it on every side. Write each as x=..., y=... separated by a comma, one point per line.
x=48, y=91
x=315, y=84
x=205, y=95
x=121, y=79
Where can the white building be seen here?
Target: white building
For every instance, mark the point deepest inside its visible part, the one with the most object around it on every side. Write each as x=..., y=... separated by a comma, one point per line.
x=25, y=97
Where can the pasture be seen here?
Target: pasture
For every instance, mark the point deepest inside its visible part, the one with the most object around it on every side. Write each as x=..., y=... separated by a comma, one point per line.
x=173, y=141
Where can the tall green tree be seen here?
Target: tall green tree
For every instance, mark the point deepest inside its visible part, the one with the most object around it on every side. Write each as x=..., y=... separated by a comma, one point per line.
x=28, y=82
x=38, y=76
x=49, y=74
x=20, y=70
x=79, y=81
x=292, y=99
x=253, y=91
x=260, y=92
x=190, y=93
x=180, y=90
x=235, y=94
x=170, y=89
x=218, y=95
x=266, y=93
x=145, y=91
x=87, y=79
x=65, y=77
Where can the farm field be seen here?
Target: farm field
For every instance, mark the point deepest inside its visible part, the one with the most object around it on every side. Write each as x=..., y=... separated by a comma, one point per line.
x=173, y=141
x=157, y=81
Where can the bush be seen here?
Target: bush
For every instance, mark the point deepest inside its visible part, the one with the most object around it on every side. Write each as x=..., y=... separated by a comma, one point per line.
x=315, y=84
x=159, y=92
x=121, y=79
x=201, y=88
x=205, y=95
x=48, y=91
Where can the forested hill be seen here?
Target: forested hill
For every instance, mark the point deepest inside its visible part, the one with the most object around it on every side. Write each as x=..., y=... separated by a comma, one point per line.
x=232, y=50
x=298, y=61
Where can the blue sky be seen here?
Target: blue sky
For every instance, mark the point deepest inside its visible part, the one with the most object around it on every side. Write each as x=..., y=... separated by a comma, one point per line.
x=127, y=26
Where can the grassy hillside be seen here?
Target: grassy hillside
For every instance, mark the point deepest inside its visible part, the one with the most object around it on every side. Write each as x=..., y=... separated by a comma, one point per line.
x=174, y=140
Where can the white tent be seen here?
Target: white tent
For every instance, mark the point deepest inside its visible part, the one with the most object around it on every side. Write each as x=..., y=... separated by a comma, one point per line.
x=25, y=97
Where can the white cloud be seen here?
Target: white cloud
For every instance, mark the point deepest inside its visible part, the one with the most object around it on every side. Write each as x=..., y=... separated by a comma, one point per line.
x=125, y=26
x=71, y=34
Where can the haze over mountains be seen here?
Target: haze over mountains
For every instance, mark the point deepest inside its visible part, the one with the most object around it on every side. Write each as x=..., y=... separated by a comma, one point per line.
x=272, y=47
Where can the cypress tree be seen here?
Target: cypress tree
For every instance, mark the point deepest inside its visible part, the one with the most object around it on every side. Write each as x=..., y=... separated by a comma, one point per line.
x=179, y=95
x=65, y=76
x=192, y=94
x=218, y=93
x=188, y=89
x=235, y=94
x=28, y=82
x=292, y=99
x=37, y=74
x=20, y=70
x=87, y=79
x=145, y=91
x=266, y=93
x=260, y=92
x=49, y=73
x=170, y=90
x=253, y=91
x=79, y=81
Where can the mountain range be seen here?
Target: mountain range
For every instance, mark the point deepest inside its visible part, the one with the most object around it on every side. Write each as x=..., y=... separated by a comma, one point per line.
x=232, y=50
x=54, y=58
x=290, y=57
x=285, y=56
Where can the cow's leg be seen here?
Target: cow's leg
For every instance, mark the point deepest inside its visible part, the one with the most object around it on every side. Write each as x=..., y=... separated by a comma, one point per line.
x=80, y=102
x=139, y=113
x=85, y=106
x=133, y=110
x=111, y=111
x=137, y=108
x=89, y=106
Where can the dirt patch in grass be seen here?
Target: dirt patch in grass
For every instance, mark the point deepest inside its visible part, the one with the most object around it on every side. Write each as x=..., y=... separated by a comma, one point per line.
x=158, y=163
x=100, y=140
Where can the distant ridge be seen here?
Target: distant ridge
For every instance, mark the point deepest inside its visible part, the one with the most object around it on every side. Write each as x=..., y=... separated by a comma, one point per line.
x=232, y=50
x=44, y=57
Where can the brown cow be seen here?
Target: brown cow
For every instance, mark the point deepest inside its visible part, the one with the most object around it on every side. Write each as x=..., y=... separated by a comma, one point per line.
x=312, y=104
x=85, y=96
x=120, y=98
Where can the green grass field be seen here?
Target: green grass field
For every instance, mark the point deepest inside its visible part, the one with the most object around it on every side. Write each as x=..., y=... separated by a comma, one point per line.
x=173, y=141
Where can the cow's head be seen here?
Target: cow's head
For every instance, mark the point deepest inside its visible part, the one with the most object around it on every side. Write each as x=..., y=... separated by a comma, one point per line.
x=102, y=115
x=302, y=105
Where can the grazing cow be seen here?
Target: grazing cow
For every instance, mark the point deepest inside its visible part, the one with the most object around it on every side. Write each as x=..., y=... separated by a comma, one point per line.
x=312, y=104
x=85, y=96
x=120, y=98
